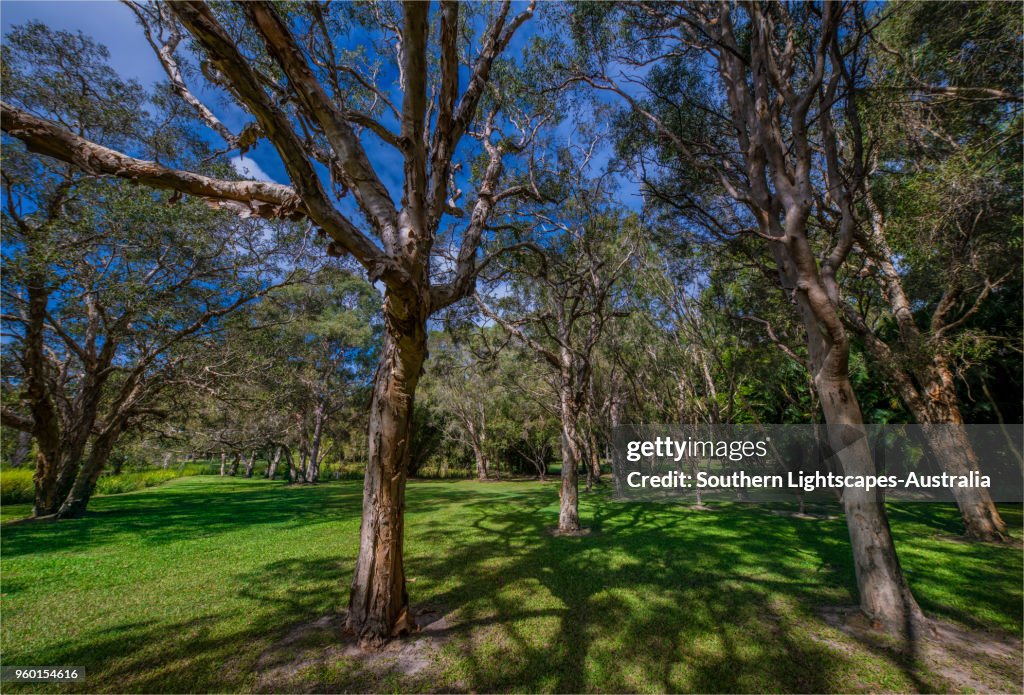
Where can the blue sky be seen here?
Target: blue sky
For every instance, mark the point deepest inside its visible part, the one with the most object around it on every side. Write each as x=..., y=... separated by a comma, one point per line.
x=113, y=25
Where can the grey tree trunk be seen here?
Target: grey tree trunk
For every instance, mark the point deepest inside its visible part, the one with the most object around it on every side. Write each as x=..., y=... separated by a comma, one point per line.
x=21, y=450
x=312, y=471
x=272, y=465
x=569, y=495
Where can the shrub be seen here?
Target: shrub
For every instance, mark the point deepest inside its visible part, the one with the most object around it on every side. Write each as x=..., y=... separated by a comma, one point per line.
x=16, y=486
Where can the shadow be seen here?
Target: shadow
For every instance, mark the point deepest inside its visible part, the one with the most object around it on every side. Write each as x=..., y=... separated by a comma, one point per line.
x=662, y=598
x=186, y=509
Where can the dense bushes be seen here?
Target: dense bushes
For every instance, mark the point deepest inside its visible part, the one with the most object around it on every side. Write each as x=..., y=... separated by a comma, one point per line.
x=16, y=486
x=16, y=483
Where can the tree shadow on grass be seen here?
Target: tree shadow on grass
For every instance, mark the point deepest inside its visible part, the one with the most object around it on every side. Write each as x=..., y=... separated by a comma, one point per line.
x=663, y=598
x=186, y=510
x=646, y=604
x=215, y=651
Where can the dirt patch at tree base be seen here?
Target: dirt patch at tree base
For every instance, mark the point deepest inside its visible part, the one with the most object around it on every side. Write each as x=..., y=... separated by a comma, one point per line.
x=579, y=533
x=313, y=654
x=943, y=657
x=807, y=516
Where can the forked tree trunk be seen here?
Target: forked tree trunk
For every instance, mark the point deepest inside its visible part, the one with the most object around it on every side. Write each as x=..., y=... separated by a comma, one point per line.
x=933, y=398
x=935, y=403
x=272, y=465
x=250, y=464
x=378, y=606
x=85, y=482
x=233, y=470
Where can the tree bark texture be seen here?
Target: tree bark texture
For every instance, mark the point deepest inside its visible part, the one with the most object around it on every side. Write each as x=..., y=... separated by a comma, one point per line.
x=379, y=604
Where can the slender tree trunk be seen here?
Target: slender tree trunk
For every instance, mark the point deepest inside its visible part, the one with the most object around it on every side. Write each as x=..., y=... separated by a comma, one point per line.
x=250, y=464
x=22, y=449
x=379, y=605
x=294, y=469
x=222, y=457
x=595, y=458
x=167, y=460
x=481, y=462
x=272, y=465
x=312, y=472
x=933, y=398
x=957, y=457
x=569, y=513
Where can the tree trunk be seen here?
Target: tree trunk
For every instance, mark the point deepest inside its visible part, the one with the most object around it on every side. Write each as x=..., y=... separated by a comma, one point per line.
x=885, y=596
x=481, y=462
x=82, y=490
x=167, y=460
x=569, y=513
x=312, y=472
x=250, y=464
x=936, y=404
x=233, y=470
x=22, y=449
x=932, y=399
x=294, y=470
x=956, y=456
x=272, y=465
x=595, y=458
x=222, y=457
x=379, y=605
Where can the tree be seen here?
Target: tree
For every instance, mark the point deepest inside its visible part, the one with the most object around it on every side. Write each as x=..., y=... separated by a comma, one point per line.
x=564, y=291
x=931, y=222
x=109, y=287
x=464, y=389
x=318, y=342
x=756, y=141
x=318, y=107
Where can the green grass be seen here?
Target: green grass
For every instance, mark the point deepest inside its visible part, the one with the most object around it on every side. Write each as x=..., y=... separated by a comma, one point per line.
x=16, y=487
x=183, y=587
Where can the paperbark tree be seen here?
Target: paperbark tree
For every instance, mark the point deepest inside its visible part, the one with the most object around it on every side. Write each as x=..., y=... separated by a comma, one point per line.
x=773, y=63
x=918, y=357
x=304, y=96
x=568, y=288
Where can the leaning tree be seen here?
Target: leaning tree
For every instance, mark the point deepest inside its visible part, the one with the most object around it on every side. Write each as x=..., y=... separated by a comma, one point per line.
x=744, y=96
x=342, y=92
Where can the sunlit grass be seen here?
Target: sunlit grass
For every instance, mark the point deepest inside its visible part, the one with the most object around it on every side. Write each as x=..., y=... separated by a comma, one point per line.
x=183, y=587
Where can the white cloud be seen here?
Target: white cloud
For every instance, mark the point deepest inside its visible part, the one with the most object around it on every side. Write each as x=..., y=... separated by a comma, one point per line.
x=247, y=167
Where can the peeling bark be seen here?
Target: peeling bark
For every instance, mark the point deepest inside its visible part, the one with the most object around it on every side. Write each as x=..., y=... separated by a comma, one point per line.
x=379, y=604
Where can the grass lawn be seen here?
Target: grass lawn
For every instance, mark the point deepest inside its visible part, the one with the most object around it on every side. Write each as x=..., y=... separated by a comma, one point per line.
x=189, y=586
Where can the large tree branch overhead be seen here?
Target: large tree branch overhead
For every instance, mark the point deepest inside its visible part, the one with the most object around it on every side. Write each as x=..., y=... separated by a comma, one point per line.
x=257, y=198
